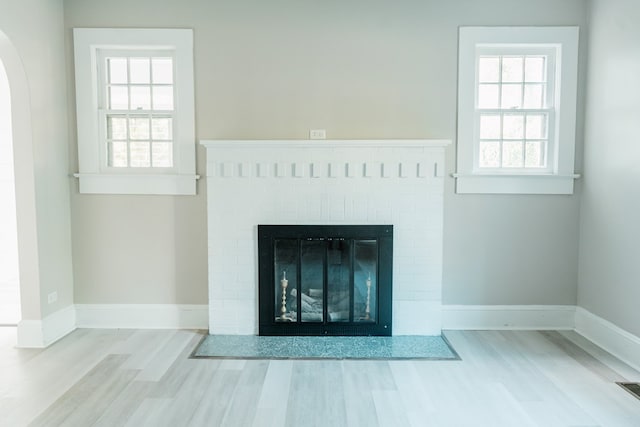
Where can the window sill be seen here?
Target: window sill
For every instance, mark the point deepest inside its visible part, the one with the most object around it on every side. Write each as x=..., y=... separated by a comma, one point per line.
x=514, y=184
x=137, y=184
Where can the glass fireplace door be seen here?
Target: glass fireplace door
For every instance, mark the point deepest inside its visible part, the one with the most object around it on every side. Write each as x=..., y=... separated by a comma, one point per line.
x=324, y=285
x=312, y=280
x=365, y=282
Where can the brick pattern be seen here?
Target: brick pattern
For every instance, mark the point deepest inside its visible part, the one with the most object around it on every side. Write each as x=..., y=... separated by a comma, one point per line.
x=299, y=185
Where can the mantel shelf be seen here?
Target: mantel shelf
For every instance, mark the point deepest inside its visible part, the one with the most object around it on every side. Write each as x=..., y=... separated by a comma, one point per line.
x=324, y=143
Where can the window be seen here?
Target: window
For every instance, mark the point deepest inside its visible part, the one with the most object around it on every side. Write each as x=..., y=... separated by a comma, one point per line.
x=137, y=99
x=135, y=108
x=516, y=110
x=513, y=110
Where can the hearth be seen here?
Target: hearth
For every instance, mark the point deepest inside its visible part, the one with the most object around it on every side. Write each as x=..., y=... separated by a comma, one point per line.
x=325, y=279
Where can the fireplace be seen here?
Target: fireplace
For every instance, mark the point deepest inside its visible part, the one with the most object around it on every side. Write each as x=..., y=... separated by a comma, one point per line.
x=325, y=279
x=330, y=182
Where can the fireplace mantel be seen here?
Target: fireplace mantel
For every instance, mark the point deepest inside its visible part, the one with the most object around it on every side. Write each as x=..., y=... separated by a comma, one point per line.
x=251, y=182
x=324, y=143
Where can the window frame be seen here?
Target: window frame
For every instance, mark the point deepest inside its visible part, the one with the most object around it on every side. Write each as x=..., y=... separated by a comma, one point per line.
x=95, y=176
x=558, y=176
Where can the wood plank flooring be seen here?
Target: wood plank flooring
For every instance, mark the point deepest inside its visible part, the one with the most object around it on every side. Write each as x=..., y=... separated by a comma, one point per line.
x=145, y=378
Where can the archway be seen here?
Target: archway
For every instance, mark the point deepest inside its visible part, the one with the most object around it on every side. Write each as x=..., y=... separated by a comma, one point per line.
x=9, y=272
x=25, y=194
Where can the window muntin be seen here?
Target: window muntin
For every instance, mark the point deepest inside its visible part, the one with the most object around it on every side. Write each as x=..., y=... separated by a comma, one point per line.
x=137, y=108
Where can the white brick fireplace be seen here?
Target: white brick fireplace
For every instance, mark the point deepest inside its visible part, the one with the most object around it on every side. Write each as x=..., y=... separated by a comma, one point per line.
x=397, y=182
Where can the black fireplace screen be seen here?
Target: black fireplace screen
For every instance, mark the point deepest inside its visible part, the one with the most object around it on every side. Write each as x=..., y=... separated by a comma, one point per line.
x=325, y=280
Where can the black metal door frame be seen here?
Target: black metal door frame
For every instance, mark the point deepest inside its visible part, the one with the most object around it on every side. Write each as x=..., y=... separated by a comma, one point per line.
x=267, y=234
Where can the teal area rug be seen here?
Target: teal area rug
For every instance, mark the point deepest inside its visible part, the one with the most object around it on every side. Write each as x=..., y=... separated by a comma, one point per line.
x=376, y=348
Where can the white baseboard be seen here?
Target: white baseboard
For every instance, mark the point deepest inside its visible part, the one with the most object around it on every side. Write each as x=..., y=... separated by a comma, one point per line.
x=142, y=316
x=615, y=340
x=622, y=344
x=42, y=333
x=516, y=317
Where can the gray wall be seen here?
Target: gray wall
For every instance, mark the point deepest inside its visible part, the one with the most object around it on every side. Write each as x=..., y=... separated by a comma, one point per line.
x=359, y=69
x=610, y=228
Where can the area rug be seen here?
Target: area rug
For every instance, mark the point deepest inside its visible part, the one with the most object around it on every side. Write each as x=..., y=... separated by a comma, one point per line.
x=376, y=348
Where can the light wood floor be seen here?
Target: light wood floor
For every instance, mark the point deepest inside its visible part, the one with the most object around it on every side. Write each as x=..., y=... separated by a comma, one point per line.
x=144, y=377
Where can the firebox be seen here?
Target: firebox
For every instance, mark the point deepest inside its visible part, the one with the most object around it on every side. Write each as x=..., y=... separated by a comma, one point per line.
x=325, y=279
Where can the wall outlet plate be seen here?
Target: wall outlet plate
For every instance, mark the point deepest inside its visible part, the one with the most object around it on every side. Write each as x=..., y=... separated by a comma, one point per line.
x=52, y=297
x=317, y=134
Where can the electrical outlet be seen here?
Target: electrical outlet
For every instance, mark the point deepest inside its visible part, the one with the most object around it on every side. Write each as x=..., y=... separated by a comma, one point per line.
x=52, y=297
x=317, y=134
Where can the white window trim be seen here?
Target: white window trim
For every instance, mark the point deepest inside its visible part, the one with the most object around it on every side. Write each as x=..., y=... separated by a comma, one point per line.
x=94, y=177
x=559, y=178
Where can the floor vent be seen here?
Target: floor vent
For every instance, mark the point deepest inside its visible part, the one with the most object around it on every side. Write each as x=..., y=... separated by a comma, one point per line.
x=633, y=388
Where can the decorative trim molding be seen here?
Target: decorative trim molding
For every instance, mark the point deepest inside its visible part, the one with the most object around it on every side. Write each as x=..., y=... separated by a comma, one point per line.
x=143, y=316
x=235, y=163
x=42, y=333
x=514, y=317
x=615, y=340
x=622, y=344
x=30, y=334
x=320, y=169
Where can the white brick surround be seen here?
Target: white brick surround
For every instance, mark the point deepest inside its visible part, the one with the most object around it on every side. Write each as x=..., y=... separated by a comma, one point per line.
x=397, y=182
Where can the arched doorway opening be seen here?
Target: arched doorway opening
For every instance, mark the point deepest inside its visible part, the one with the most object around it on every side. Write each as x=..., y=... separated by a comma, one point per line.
x=25, y=194
x=10, y=312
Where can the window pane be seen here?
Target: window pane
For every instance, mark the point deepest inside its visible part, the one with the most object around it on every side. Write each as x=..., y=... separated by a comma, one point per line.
x=140, y=154
x=489, y=69
x=285, y=290
x=140, y=71
x=488, y=96
x=140, y=98
x=365, y=289
x=533, y=95
x=117, y=128
x=512, y=155
x=511, y=96
x=513, y=126
x=313, y=275
x=161, y=129
x=139, y=128
x=117, y=70
x=162, y=69
x=534, y=69
x=489, y=154
x=162, y=154
x=117, y=154
x=536, y=126
x=490, y=126
x=512, y=68
x=118, y=98
x=163, y=97
x=533, y=154
x=339, y=276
